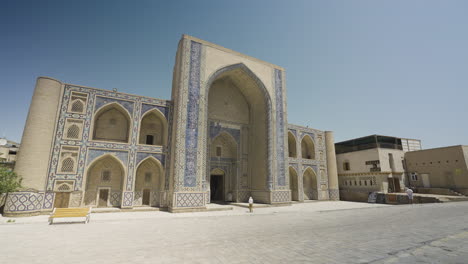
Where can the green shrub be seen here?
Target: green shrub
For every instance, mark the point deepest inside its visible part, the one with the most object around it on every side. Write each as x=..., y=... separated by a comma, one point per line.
x=9, y=180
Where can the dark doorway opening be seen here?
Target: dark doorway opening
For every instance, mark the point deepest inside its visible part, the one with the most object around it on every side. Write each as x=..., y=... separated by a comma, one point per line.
x=394, y=185
x=103, y=197
x=149, y=140
x=216, y=188
x=146, y=197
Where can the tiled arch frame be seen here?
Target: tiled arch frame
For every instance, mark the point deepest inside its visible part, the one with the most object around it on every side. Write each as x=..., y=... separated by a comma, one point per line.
x=267, y=98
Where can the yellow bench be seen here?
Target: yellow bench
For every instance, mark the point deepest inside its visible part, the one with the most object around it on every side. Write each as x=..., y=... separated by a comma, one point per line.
x=70, y=212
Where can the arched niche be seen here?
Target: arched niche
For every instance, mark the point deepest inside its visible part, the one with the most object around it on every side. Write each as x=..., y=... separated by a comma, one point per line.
x=309, y=179
x=149, y=179
x=307, y=148
x=153, y=129
x=292, y=149
x=104, y=182
x=224, y=146
x=293, y=184
x=112, y=123
x=236, y=95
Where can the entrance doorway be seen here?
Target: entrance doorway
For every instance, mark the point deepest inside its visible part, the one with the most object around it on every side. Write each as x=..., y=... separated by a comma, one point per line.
x=394, y=185
x=61, y=200
x=216, y=188
x=146, y=197
x=103, y=197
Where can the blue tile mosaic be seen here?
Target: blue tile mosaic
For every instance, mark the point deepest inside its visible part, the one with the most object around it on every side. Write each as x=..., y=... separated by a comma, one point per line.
x=95, y=153
x=216, y=129
x=100, y=101
x=143, y=155
x=280, y=126
x=191, y=134
x=147, y=107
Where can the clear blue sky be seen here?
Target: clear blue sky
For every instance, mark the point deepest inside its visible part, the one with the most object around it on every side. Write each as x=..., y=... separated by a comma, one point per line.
x=396, y=68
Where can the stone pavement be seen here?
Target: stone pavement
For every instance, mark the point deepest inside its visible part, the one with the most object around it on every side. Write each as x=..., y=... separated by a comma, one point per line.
x=321, y=232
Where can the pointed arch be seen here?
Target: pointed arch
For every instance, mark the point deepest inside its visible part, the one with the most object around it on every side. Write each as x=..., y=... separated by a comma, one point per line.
x=149, y=181
x=307, y=147
x=105, y=173
x=112, y=122
x=254, y=102
x=224, y=146
x=77, y=106
x=153, y=128
x=309, y=179
x=292, y=143
x=293, y=183
x=68, y=165
x=73, y=131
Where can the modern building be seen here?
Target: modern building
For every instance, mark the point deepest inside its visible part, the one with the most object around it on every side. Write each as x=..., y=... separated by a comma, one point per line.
x=371, y=164
x=223, y=136
x=444, y=167
x=8, y=151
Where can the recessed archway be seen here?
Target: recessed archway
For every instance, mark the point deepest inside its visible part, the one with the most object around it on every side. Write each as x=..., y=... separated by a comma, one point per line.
x=148, y=183
x=293, y=184
x=112, y=123
x=309, y=179
x=292, y=149
x=153, y=129
x=307, y=148
x=237, y=96
x=104, y=182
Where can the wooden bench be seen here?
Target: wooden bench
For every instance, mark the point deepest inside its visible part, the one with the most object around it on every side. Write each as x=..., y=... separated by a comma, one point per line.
x=70, y=212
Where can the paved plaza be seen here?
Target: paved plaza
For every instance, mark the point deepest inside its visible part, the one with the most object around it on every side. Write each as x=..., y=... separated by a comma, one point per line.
x=318, y=232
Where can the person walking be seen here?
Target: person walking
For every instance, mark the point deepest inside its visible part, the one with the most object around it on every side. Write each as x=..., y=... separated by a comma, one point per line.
x=409, y=192
x=251, y=204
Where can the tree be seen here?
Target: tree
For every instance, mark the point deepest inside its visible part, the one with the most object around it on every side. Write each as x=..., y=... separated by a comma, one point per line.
x=9, y=180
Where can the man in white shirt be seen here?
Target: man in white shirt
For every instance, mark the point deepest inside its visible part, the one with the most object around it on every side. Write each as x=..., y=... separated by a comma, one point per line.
x=251, y=204
x=409, y=192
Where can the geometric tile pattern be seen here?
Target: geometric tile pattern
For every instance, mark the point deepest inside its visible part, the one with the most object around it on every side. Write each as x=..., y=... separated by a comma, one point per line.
x=48, y=200
x=280, y=127
x=128, y=199
x=281, y=196
x=23, y=201
x=334, y=194
x=100, y=101
x=115, y=198
x=189, y=199
x=191, y=132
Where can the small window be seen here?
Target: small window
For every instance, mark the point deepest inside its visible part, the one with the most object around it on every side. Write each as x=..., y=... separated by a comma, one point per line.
x=346, y=166
x=365, y=182
x=106, y=176
x=67, y=165
x=370, y=182
x=149, y=139
x=218, y=151
x=355, y=183
x=360, y=183
x=148, y=177
x=77, y=106
x=73, y=131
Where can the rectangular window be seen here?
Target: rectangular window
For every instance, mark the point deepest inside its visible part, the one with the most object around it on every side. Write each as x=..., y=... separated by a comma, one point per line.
x=148, y=177
x=149, y=139
x=346, y=166
x=106, y=176
x=218, y=151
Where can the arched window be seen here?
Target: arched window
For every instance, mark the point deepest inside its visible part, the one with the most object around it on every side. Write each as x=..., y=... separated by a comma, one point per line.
x=153, y=129
x=77, y=106
x=68, y=165
x=73, y=131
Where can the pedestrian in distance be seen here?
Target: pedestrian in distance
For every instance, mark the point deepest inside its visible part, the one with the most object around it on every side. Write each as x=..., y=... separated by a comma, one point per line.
x=251, y=204
x=409, y=192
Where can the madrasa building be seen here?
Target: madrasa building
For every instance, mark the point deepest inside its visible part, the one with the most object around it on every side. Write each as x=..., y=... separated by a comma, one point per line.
x=224, y=136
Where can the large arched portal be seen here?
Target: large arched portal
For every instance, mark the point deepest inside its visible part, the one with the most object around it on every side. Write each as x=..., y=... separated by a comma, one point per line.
x=310, y=184
x=293, y=184
x=148, y=182
x=104, y=183
x=238, y=102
